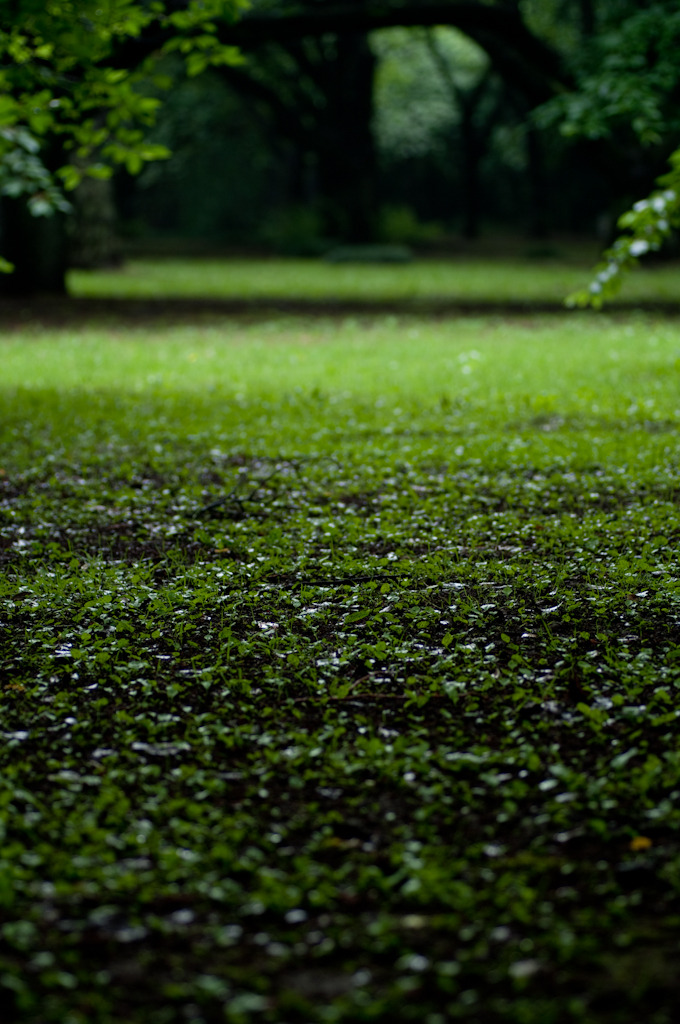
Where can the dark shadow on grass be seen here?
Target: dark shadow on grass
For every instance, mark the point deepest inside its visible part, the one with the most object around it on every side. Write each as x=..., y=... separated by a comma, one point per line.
x=57, y=311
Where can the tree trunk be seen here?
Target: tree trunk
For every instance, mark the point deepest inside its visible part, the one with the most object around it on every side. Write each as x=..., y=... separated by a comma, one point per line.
x=94, y=242
x=472, y=153
x=345, y=147
x=37, y=246
x=588, y=17
x=321, y=101
x=538, y=187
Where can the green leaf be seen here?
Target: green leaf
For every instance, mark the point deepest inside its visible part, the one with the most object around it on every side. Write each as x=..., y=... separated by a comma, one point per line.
x=357, y=616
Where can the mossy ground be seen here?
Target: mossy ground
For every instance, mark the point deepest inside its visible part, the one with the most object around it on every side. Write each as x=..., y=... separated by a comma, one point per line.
x=340, y=667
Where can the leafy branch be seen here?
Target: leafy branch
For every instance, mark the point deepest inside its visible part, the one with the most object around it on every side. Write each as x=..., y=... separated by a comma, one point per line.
x=648, y=224
x=65, y=77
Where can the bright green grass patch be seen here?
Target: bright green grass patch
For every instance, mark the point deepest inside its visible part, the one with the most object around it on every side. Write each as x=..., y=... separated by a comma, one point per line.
x=452, y=280
x=579, y=363
x=340, y=670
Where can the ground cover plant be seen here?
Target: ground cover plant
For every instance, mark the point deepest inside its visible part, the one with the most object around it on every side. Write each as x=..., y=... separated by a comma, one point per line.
x=340, y=662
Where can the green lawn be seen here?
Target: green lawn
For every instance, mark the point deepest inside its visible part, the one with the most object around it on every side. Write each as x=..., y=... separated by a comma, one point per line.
x=463, y=279
x=340, y=662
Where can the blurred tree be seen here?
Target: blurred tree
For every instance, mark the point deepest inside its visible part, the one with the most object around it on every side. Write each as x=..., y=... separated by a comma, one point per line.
x=313, y=64
x=319, y=92
x=603, y=71
x=310, y=84
x=76, y=80
x=71, y=104
x=627, y=93
x=93, y=239
x=477, y=101
x=533, y=65
x=438, y=101
x=227, y=166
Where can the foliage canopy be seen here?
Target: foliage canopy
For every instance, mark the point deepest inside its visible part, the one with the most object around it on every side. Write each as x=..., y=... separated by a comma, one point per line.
x=627, y=84
x=72, y=101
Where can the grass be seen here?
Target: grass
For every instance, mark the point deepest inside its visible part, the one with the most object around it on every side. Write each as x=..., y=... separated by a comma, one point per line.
x=341, y=662
x=466, y=279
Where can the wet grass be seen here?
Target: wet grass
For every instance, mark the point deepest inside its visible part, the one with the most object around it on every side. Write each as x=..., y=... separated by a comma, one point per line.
x=340, y=662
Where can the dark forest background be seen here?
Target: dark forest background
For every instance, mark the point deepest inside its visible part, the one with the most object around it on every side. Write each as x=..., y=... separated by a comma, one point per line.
x=384, y=121
x=408, y=134
x=403, y=135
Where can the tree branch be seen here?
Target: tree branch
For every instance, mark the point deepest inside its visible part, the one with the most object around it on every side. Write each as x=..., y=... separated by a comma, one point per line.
x=519, y=56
